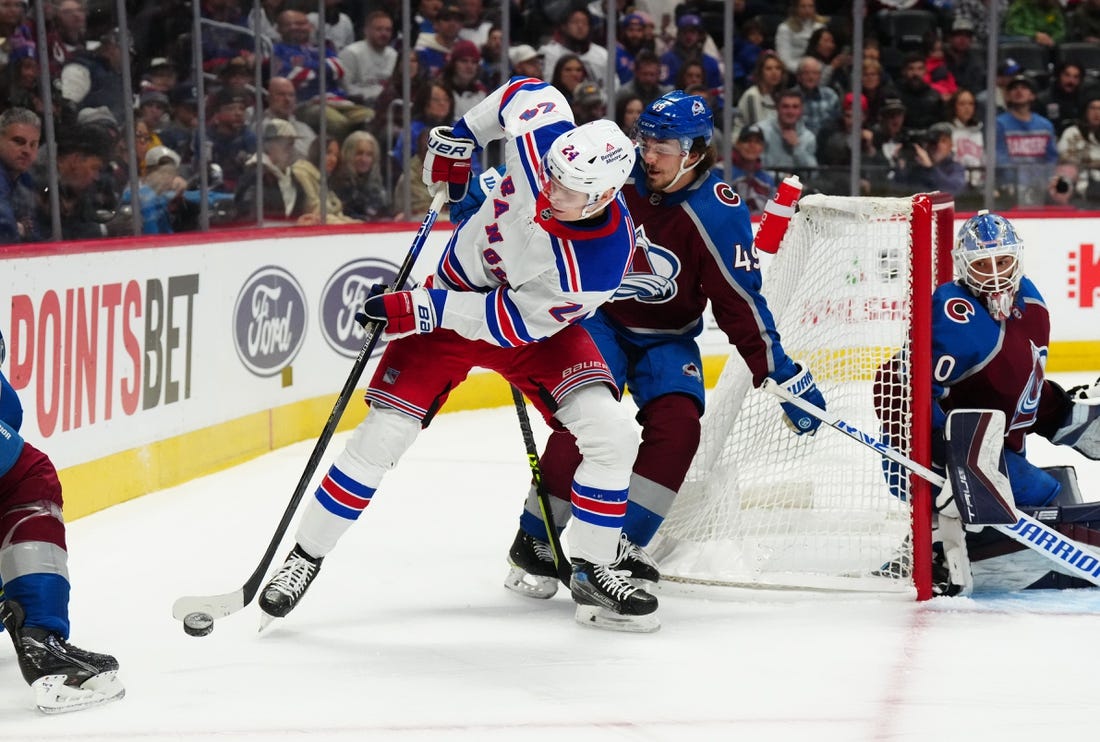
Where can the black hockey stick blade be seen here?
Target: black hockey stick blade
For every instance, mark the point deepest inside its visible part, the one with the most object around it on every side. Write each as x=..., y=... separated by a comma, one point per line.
x=219, y=606
x=976, y=467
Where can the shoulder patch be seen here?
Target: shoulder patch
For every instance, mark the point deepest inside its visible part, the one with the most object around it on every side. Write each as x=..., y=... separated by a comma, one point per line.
x=724, y=192
x=959, y=310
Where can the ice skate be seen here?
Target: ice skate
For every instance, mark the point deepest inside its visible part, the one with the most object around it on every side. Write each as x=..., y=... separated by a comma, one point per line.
x=643, y=571
x=532, y=572
x=606, y=599
x=900, y=565
x=283, y=591
x=63, y=677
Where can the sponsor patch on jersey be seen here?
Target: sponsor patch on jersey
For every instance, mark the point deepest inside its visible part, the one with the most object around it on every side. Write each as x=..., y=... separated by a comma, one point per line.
x=725, y=193
x=959, y=310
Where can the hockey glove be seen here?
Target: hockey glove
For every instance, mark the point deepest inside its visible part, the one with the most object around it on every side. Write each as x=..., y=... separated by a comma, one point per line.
x=1084, y=392
x=801, y=384
x=1081, y=427
x=447, y=163
x=405, y=312
x=479, y=186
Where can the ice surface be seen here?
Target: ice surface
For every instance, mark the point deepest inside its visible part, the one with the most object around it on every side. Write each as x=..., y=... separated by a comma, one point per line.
x=408, y=633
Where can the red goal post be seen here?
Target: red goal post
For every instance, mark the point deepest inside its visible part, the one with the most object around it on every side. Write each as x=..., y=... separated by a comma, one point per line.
x=850, y=290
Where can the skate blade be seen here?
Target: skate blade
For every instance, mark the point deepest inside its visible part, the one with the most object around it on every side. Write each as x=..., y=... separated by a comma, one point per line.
x=52, y=696
x=601, y=618
x=265, y=621
x=529, y=585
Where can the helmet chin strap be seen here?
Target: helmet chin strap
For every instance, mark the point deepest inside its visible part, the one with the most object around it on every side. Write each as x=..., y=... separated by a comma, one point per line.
x=593, y=202
x=682, y=170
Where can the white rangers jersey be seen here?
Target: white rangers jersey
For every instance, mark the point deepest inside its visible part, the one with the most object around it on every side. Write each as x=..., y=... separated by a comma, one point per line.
x=512, y=273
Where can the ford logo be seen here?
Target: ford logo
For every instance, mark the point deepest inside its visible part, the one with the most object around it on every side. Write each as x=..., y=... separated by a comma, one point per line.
x=344, y=295
x=269, y=321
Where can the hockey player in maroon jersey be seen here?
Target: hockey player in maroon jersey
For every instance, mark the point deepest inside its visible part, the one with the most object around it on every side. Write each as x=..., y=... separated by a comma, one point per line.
x=549, y=244
x=990, y=333
x=34, y=575
x=694, y=243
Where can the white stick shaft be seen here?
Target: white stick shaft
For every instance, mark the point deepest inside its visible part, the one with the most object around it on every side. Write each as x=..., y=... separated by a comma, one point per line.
x=1072, y=557
x=833, y=421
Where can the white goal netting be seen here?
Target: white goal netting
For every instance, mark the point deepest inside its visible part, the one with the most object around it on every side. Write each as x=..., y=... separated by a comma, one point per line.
x=762, y=506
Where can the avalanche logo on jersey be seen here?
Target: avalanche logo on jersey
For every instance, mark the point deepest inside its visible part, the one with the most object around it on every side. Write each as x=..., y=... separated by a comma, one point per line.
x=725, y=193
x=652, y=272
x=958, y=310
x=1028, y=405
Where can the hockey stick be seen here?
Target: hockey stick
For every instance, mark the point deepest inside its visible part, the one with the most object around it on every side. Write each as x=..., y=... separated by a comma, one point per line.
x=218, y=606
x=565, y=572
x=1074, y=558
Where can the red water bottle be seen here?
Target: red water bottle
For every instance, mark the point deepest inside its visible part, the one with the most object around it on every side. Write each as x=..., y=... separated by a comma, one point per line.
x=777, y=215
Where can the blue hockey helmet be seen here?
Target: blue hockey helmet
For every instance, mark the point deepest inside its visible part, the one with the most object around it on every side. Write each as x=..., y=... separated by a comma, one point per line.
x=676, y=115
x=989, y=236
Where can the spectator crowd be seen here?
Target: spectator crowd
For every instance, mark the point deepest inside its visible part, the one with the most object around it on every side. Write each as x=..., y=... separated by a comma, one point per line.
x=308, y=122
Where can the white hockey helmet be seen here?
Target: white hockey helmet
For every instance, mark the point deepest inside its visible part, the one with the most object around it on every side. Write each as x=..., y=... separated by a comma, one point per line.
x=591, y=159
x=982, y=236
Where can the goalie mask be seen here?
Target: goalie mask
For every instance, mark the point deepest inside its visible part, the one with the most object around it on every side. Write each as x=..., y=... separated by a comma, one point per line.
x=987, y=261
x=590, y=159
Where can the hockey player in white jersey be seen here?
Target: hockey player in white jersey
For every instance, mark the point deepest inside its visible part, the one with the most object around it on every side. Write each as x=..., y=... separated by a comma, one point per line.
x=549, y=245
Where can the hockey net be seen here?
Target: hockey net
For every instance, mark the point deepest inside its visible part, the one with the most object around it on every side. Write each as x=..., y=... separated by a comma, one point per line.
x=850, y=290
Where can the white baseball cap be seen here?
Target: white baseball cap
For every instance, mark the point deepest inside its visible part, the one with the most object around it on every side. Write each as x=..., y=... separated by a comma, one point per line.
x=522, y=53
x=161, y=155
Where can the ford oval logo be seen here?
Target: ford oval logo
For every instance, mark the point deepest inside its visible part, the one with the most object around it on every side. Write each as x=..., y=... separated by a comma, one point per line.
x=344, y=295
x=269, y=321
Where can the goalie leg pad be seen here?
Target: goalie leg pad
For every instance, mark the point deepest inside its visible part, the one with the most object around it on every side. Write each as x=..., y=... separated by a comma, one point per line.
x=951, y=533
x=976, y=467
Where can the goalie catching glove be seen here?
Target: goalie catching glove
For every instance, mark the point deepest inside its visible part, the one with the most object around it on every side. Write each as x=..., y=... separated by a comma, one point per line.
x=403, y=312
x=447, y=163
x=800, y=383
x=1080, y=429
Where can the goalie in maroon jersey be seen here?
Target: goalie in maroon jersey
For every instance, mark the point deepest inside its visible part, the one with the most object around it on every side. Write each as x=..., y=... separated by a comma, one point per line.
x=990, y=332
x=694, y=244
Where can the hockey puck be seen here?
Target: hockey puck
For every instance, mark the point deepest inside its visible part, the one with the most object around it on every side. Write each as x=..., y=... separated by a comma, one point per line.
x=198, y=624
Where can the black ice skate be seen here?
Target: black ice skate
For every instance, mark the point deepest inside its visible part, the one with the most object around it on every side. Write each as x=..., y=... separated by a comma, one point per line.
x=533, y=573
x=286, y=588
x=643, y=571
x=606, y=599
x=900, y=565
x=63, y=677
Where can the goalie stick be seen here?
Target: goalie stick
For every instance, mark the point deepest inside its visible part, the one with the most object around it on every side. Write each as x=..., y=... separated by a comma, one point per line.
x=1072, y=557
x=561, y=563
x=218, y=606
